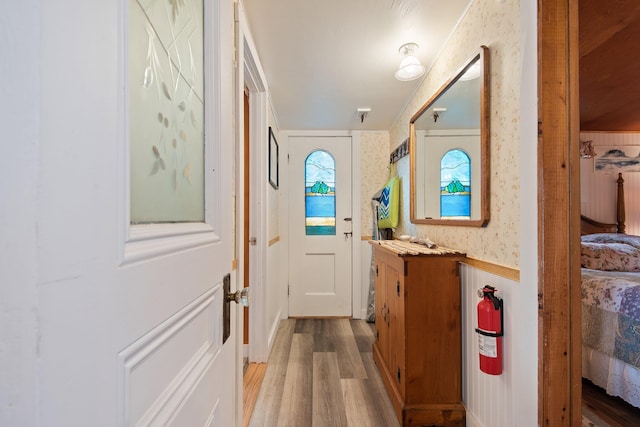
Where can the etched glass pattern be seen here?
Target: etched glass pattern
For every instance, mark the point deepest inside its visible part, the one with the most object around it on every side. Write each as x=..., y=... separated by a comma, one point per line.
x=166, y=110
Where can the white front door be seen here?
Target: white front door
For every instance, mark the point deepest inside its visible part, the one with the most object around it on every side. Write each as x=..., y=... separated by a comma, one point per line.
x=130, y=315
x=320, y=226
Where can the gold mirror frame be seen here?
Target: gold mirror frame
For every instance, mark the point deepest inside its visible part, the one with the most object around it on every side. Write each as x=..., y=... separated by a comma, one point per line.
x=483, y=215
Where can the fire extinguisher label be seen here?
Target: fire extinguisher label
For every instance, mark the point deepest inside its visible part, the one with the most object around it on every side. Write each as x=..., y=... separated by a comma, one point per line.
x=488, y=346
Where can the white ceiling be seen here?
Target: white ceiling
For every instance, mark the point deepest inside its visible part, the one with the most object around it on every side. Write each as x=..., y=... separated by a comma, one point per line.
x=324, y=59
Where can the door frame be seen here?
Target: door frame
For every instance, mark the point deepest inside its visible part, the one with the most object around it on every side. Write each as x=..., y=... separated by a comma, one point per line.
x=251, y=75
x=359, y=289
x=559, y=335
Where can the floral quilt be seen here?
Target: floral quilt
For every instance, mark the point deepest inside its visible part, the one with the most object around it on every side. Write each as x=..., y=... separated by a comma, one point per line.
x=611, y=313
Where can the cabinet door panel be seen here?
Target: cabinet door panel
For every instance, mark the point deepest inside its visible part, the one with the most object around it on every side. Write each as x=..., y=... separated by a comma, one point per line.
x=392, y=280
x=434, y=346
x=395, y=300
x=382, y=327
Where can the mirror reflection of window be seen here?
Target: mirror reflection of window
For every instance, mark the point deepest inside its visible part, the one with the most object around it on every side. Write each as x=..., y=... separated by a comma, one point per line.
x=455, y=185
x=455, y=122
x=320, y=194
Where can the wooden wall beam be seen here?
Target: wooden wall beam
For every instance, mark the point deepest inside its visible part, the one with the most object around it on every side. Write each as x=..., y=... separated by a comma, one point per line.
x=559, y=385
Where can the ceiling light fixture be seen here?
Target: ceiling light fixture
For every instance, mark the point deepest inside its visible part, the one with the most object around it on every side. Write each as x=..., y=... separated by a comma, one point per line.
x=410, y=67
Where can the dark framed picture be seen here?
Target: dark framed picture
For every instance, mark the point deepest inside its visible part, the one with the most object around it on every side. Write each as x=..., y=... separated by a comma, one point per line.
x=274, y=167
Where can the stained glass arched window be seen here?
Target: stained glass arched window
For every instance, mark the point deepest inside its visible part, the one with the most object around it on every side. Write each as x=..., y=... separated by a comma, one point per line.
x=320, y=194
x=455, y=185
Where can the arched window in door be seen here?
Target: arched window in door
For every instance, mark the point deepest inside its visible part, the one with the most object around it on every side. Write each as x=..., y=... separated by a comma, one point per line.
x=320, y=194
x=455, y=185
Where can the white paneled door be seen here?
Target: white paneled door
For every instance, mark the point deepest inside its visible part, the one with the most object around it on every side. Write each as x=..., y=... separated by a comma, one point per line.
x=130, y=312
x=320, y=226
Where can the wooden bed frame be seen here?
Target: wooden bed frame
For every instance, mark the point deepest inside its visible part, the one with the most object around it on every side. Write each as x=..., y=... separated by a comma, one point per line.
x=591, y=226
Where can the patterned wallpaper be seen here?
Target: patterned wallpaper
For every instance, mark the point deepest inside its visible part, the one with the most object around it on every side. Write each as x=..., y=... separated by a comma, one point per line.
x=497, y=26
x=374, y=170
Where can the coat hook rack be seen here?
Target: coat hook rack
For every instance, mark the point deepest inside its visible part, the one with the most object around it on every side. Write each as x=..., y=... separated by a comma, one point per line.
x=400, y=151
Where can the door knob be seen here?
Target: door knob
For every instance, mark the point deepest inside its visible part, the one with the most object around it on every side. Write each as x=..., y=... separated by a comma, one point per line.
x=239, y=297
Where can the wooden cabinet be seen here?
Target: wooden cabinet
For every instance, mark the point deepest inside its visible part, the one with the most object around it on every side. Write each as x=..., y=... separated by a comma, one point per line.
x=418, y=340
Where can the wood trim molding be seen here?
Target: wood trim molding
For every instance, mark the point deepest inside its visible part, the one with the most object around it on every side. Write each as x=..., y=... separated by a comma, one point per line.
x=497, y=269
x=148, y=241
x=274, y=241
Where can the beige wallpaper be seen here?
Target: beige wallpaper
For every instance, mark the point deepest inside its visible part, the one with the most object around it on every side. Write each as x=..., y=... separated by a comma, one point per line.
x=496, y=25
x=374, y=172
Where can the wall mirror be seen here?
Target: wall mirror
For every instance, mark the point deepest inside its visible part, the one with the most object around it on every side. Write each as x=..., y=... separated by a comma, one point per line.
x=449, y=150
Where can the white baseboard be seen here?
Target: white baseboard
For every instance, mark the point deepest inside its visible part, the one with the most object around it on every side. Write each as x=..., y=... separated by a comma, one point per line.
x=362, y=315
x=272, y=333
x=471, y=421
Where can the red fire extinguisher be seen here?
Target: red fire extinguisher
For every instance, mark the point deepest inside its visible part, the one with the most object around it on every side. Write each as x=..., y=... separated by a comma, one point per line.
x=490, y=331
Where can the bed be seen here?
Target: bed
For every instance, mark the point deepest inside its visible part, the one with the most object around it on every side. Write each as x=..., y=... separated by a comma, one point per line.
x=611, y=305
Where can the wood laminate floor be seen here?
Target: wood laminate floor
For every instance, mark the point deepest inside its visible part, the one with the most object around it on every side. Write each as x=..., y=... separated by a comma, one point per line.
x=614, y=411
x=321, y=373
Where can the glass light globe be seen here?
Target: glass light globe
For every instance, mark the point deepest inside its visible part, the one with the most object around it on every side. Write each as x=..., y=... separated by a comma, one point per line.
x=409, y=69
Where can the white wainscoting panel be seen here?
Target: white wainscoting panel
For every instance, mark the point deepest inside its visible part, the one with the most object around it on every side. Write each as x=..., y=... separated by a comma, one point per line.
x=598, y=189
x=489, y=399
x=160, y=371
x=212, y=420
x=191, y=413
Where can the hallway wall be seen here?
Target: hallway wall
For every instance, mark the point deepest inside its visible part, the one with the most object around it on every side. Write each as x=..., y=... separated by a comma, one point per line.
x=490, y=400
x=509, y=29
x=496, y=25
x=374, y=173
x=19, y=161
x=277, y=249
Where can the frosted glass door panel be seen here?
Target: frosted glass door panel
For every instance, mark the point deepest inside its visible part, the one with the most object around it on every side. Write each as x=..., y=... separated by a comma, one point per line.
x=166, y=110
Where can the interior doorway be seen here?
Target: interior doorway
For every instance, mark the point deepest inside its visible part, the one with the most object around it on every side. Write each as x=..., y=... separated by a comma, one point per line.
x=252, y=116
x=320, y=226
x=247, y=210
